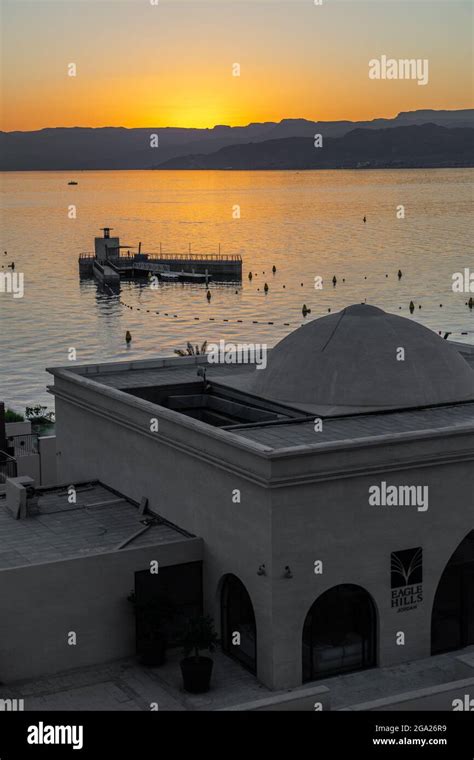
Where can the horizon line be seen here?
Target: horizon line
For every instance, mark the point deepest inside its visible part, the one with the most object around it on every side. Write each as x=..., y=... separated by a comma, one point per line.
x=244, y=126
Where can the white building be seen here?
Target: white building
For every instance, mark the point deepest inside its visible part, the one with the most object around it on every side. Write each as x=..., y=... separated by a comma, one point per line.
x=332, y=493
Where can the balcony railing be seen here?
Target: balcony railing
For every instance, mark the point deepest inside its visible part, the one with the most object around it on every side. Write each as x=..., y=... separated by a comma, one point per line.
x=8, y=468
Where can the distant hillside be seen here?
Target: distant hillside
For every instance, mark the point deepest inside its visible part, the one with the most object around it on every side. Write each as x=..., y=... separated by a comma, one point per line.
x=400, y=147
x=119, y=148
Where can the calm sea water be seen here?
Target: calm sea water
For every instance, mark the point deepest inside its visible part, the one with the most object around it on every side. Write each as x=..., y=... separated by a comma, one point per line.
x=307, y=224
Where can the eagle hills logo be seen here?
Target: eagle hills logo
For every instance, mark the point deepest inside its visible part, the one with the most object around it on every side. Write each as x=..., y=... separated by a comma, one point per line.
x=406, y=574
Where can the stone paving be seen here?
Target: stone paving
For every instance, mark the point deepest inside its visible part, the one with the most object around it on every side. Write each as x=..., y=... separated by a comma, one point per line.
x=126, y=685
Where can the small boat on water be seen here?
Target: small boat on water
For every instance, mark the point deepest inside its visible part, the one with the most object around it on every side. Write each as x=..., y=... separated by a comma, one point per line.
x=184, y=277
x=72, y=183
x=195, y=277
x=169, y=276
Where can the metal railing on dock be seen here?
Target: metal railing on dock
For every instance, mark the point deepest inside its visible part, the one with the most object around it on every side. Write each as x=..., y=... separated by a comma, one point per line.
x=194, y=256
x=155, y=256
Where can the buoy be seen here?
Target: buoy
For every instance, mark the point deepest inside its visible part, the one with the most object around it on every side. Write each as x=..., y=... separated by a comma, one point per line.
x=329, y=309
x=441, y=306
x=343, y=279
x=250, y=275
x=265, y=287
x=365, y=218
x=208, y=295
x=334, y=280
x=399, y=274
x=128, y=336
x=419, y=306
x=305, y=310
x=412, y=306
x=301, y=284
x=470, y=303
x=386, y=275
x=284, y=286
x=274, y=269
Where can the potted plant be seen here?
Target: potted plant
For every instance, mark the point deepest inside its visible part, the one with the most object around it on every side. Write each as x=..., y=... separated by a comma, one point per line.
x=151, y=639
x=198, y=635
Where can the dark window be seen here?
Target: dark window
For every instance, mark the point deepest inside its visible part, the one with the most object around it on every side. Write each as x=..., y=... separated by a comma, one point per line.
x=452, y=621
x=238, y=617
x=339, y=633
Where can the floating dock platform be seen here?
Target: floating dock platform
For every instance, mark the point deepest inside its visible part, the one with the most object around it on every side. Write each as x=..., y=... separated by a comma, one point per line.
x=107, y=264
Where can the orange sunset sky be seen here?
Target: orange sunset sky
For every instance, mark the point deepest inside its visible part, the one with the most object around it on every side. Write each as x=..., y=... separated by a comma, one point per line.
x=170, y=64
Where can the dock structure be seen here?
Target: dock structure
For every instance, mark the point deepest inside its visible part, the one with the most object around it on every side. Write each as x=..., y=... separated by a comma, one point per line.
x=108, y=259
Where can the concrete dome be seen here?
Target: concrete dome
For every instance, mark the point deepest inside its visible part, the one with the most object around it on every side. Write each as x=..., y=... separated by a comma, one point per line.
x=349, y=359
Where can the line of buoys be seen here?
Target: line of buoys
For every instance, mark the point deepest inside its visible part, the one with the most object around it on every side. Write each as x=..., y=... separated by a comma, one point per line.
x=305, y=311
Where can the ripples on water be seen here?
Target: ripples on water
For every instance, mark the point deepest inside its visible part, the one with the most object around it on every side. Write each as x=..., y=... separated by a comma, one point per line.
x=305, y=223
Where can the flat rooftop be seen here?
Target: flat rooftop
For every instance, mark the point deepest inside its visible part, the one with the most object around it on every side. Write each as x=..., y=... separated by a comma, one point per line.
x=146, y=379
x=100, y=521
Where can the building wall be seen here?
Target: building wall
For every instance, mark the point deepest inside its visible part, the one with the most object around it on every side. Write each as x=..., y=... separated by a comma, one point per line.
x=47, y=453
x=41, y=604
x=332, y=521
x=186, y=490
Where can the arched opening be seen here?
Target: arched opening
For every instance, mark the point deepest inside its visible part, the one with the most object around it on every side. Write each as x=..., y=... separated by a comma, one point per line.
x=339, y=633
x=237, y=617
x=452, y=619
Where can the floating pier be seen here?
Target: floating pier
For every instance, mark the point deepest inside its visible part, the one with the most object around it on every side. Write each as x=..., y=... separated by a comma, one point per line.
x=108, y=263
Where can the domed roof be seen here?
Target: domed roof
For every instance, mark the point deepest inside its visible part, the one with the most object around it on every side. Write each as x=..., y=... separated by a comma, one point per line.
x=352, y=359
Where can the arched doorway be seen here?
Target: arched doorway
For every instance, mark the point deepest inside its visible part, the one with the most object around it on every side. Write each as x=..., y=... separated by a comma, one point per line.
x=452, y=619
x=237, y=617
x=339, y=633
